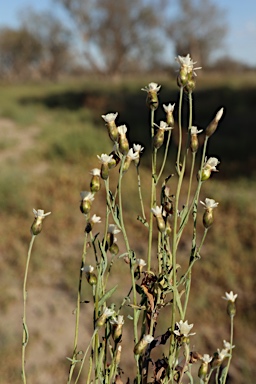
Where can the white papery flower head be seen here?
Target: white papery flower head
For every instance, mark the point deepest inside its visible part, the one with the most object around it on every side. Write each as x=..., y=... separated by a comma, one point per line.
x=152, y=87
x=96, y=219
x=209, y=203
x=40, y=213
x=119, y=320
x=195, y=131
x=137, y=148
x=133, y=155
x=230, y=296
x=187, y=64
x=183, y=329
x=227, y=345
x=219, y=115
x=148, y=338
x=88, y=269
x=157, y=211
x=85, y=195
x=108, y=312
x=164, y=126
x=95, y=172
x=206, y=358
x=104, y=158
x=141, y=262
x=212, y=163
x=122, y=129
x=169, y=108
x=109, y=117
x=222, y=354
x=112, y=228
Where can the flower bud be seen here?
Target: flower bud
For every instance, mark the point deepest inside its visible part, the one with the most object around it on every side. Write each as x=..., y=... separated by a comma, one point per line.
x=158, y=139
x=103, y=318
x=37, y=225
x=190, y=86
x=214, y=123
x=157, y=212
x=114, y=249
x=104, y=172
x=95, y=180
x=117, y=325
x=90, y=276
x=231, y=308
x=152, y=98
x=208, y=218
x=194, y=143
x=142, y=344
x=111, y=125
x=122, y=140
x=203, y=370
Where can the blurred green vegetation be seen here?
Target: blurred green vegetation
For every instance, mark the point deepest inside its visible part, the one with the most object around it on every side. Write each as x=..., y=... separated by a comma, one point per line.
x=51, y=171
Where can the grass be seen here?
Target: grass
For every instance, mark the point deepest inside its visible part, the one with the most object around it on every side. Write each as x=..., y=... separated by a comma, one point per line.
x=51, y=173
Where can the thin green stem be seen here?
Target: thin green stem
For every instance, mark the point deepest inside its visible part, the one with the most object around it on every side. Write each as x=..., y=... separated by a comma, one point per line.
x=191, y=177
x=165, y=156
x=153, y=192
x=24, y=318
x=231, y=348
x=140, y=194
x=78, y=304
x=130, y=253
x=180, y=131
x=85, y=354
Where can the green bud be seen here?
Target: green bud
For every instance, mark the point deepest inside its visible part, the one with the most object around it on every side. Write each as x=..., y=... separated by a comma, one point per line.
x=208, y=218
x=104, y=172
x=158, y=139
x=95, y=184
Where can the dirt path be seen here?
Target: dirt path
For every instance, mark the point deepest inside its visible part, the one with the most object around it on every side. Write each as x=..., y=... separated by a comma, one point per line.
x=14, y=142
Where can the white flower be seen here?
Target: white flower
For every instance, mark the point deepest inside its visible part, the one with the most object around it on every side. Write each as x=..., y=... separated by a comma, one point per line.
x=108, y=312
x=88, y=269
x=211, y=163
x=227, y=345
x=184, y=329
x=148, y=338
x=96, y=219
x=187, y=64
x=151, y=87
x=113, y=229
x=164, y=126
x=222, y=354
x=195, y=131
x=209, y=203
x=157, y=211
x=141, y=262
x=95, y=172
x=109, y=117
x=137, y=148
x=105, y=159
x=119, y=320
x=87, y=195
x=219, y=115
x=206, y=358
x=132, y=155
x=122, y=129
x=169, y=108
x=40, y=213
x=230, y=296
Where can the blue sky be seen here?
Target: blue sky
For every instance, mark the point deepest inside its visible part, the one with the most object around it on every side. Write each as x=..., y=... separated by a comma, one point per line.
x=241, y=18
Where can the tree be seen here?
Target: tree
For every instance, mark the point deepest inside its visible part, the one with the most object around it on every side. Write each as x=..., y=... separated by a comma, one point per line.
x=55, y=39
x=117, y=35
x=199, y=29
x=20, y=52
